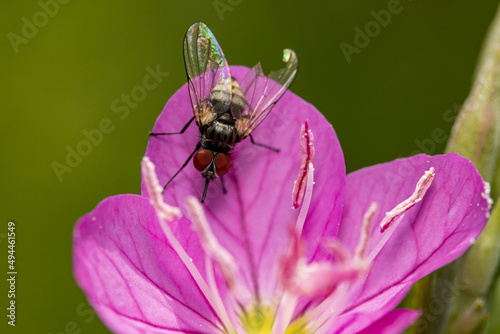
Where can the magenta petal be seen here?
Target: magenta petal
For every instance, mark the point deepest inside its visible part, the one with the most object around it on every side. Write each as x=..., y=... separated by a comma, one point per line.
x=433, y=233
x=253, y=220
x=131, y=276
x=376, y=322
x=396, y=321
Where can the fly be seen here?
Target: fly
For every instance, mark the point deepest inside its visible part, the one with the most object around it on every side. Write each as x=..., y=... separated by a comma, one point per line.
x=226, y=111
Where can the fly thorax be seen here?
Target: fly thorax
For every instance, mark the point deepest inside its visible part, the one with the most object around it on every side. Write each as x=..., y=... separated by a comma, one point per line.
x=219, y=137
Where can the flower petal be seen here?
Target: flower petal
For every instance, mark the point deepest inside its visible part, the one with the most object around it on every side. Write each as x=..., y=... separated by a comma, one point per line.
x=396, y=321
x=252, y=221
x=434, y=232
x=130, y=274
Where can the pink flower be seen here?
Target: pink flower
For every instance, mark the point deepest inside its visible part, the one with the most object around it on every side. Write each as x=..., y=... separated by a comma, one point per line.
x=247, y=261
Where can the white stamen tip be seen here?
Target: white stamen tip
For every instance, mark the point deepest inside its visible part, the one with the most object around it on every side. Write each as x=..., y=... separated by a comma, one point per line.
x=163, y=210
x=422, y=186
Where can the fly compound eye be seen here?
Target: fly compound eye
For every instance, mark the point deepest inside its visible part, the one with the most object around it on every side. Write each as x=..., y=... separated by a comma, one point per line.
x=202, y=159
x=222, y=163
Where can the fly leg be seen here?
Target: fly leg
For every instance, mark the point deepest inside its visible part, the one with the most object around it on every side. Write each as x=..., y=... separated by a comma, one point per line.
x=277, y=150
x=173, y=133
x=224, y=189
x=198, y=146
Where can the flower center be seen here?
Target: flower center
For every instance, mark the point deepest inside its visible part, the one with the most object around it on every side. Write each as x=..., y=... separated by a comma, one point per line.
x=332, y=284
x=260, y=320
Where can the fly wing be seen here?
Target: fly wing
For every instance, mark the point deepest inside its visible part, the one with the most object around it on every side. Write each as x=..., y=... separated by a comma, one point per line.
x=207, y=72
x=262, y=93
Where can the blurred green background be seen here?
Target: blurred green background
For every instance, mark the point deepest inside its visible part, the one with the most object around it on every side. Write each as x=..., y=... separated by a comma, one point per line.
x=60, y=78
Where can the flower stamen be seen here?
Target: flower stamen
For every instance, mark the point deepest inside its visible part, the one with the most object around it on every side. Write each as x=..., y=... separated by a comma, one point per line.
x=396, y=215
x=308, y=151
x=167, y=213
x=162, y=209
x=423, y=184
x=302, y=193
x=366, y=230
x=349, y=270
x=327, y=311
x=214, y=250
x=338, y=250
x=303, y=186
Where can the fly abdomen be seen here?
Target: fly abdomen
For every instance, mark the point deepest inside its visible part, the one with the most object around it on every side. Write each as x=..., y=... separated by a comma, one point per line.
x=238, y=99
x=226, y=118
